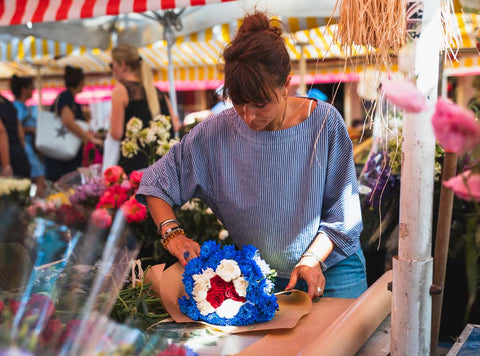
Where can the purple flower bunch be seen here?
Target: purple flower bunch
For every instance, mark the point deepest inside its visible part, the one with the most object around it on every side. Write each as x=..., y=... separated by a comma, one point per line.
x=89, y=193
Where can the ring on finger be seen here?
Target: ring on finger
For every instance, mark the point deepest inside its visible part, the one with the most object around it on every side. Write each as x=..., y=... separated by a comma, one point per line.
x=186, y=254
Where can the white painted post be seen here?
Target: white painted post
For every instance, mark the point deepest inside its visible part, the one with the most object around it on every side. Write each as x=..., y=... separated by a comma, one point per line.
x=412, y=268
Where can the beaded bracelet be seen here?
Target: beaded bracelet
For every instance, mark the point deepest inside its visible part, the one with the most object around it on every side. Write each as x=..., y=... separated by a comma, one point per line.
x=170, y=234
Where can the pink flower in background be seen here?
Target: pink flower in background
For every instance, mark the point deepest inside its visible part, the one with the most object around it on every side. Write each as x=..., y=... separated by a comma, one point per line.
x=101, y=218
x=126, y=184
x=466, y=185
x=455, y=127
x=2, y=306
x=405, y=95
x=113, y=197
x=134, y=211
x=135, y=178
x=114, y=174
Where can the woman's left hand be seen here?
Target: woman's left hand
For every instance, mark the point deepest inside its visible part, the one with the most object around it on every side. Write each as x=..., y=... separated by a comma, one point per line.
x=308, y=269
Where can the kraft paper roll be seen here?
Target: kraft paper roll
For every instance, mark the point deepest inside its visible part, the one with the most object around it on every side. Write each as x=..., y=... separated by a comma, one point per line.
x=347, y=334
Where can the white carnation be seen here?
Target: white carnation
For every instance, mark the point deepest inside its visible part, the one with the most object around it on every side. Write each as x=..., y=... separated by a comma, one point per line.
x=229, y=308
x=241, y=285
x=228, y=270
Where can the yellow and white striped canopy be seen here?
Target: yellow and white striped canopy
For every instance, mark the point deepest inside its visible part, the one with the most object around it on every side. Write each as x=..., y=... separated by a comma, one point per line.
x=196, y=56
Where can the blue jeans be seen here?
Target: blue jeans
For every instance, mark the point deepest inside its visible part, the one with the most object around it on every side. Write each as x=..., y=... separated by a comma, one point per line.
x=346, y=279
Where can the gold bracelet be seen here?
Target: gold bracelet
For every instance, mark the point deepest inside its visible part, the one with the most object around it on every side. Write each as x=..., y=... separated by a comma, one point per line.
x=170, y=235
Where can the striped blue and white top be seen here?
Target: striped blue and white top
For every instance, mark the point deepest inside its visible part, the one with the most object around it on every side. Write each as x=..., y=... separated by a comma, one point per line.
x=273, y=189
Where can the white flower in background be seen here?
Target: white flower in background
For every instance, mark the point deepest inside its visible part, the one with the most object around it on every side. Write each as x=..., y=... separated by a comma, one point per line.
x=228, y=270
x=134, y=126
x=229, y=308
x=189, y=205
x=10, y=185
x=205, y=307
x=241, y=285
x=129, y=148
x=223, y=234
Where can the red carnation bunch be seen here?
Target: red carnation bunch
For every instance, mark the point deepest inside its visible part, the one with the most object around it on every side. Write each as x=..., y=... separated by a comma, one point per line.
x=120, y=194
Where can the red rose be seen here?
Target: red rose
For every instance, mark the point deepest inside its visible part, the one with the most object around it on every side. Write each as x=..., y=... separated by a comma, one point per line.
x=114, y=174
x=217, y=283
x=135, y=178
x=215, y=297
x=52, y=331
x=101, y=218
x=134, y=211
x=40, y=304
x=231, y=293
x=13, y=305
x=173, y=350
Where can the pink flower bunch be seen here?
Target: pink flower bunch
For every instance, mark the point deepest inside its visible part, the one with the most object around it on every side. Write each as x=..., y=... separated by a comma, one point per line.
x=457, y=131
x=455, y=127
x=120, y=194
x=404, y=94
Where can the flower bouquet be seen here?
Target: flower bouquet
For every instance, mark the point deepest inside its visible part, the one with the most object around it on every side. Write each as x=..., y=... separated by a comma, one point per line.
x=13, y=190
x=225, y=286
x=153, y=141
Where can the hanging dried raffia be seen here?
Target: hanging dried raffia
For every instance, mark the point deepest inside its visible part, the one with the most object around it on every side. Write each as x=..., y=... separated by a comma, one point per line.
x=378, y=25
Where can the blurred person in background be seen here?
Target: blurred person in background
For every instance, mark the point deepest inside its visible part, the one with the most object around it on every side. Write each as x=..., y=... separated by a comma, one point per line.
x=135, y=95
x=13, y=157
x=22, y=89
x=69, y=110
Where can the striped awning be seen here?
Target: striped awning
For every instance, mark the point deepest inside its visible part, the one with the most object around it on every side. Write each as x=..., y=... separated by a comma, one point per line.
x=15, y=12
x=196, y=56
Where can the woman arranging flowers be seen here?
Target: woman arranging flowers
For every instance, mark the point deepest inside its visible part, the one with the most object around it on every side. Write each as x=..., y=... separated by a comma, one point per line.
x=278, y=171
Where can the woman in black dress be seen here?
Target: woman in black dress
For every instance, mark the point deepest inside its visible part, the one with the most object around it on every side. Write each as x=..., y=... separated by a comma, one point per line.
x=135, y=95
x=69, y=111
x=13, y=158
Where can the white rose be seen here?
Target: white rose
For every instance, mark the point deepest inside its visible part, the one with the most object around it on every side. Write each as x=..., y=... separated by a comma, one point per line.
x=228, y=270
x=241, y=285
x=229, y=308
x=205, y=308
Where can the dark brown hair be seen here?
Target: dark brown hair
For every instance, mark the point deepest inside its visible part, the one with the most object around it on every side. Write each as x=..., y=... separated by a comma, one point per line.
x=256, y=61
x=17, y=83
x=73, y=76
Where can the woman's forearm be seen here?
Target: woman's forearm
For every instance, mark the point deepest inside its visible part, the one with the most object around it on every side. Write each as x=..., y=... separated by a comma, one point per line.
x=160, y=210
x=4, y=147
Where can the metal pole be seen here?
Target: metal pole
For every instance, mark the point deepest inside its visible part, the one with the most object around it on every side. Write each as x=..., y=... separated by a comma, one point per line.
x=39, y=86
x=412, y=268
x=170, y=37
x=302, y=69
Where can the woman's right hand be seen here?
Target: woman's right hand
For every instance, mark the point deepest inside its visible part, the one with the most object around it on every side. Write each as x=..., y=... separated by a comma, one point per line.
x=94, y=139
x=7, y=171
x=183, y=248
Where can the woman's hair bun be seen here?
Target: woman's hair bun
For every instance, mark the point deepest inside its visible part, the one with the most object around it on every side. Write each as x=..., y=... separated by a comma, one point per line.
x=258, y=22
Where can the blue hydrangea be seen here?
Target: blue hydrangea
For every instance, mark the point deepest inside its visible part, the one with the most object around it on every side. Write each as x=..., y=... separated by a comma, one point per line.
x=261, y=304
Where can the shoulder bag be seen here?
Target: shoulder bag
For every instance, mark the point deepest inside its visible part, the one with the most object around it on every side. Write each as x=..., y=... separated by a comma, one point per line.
x=53, y=139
